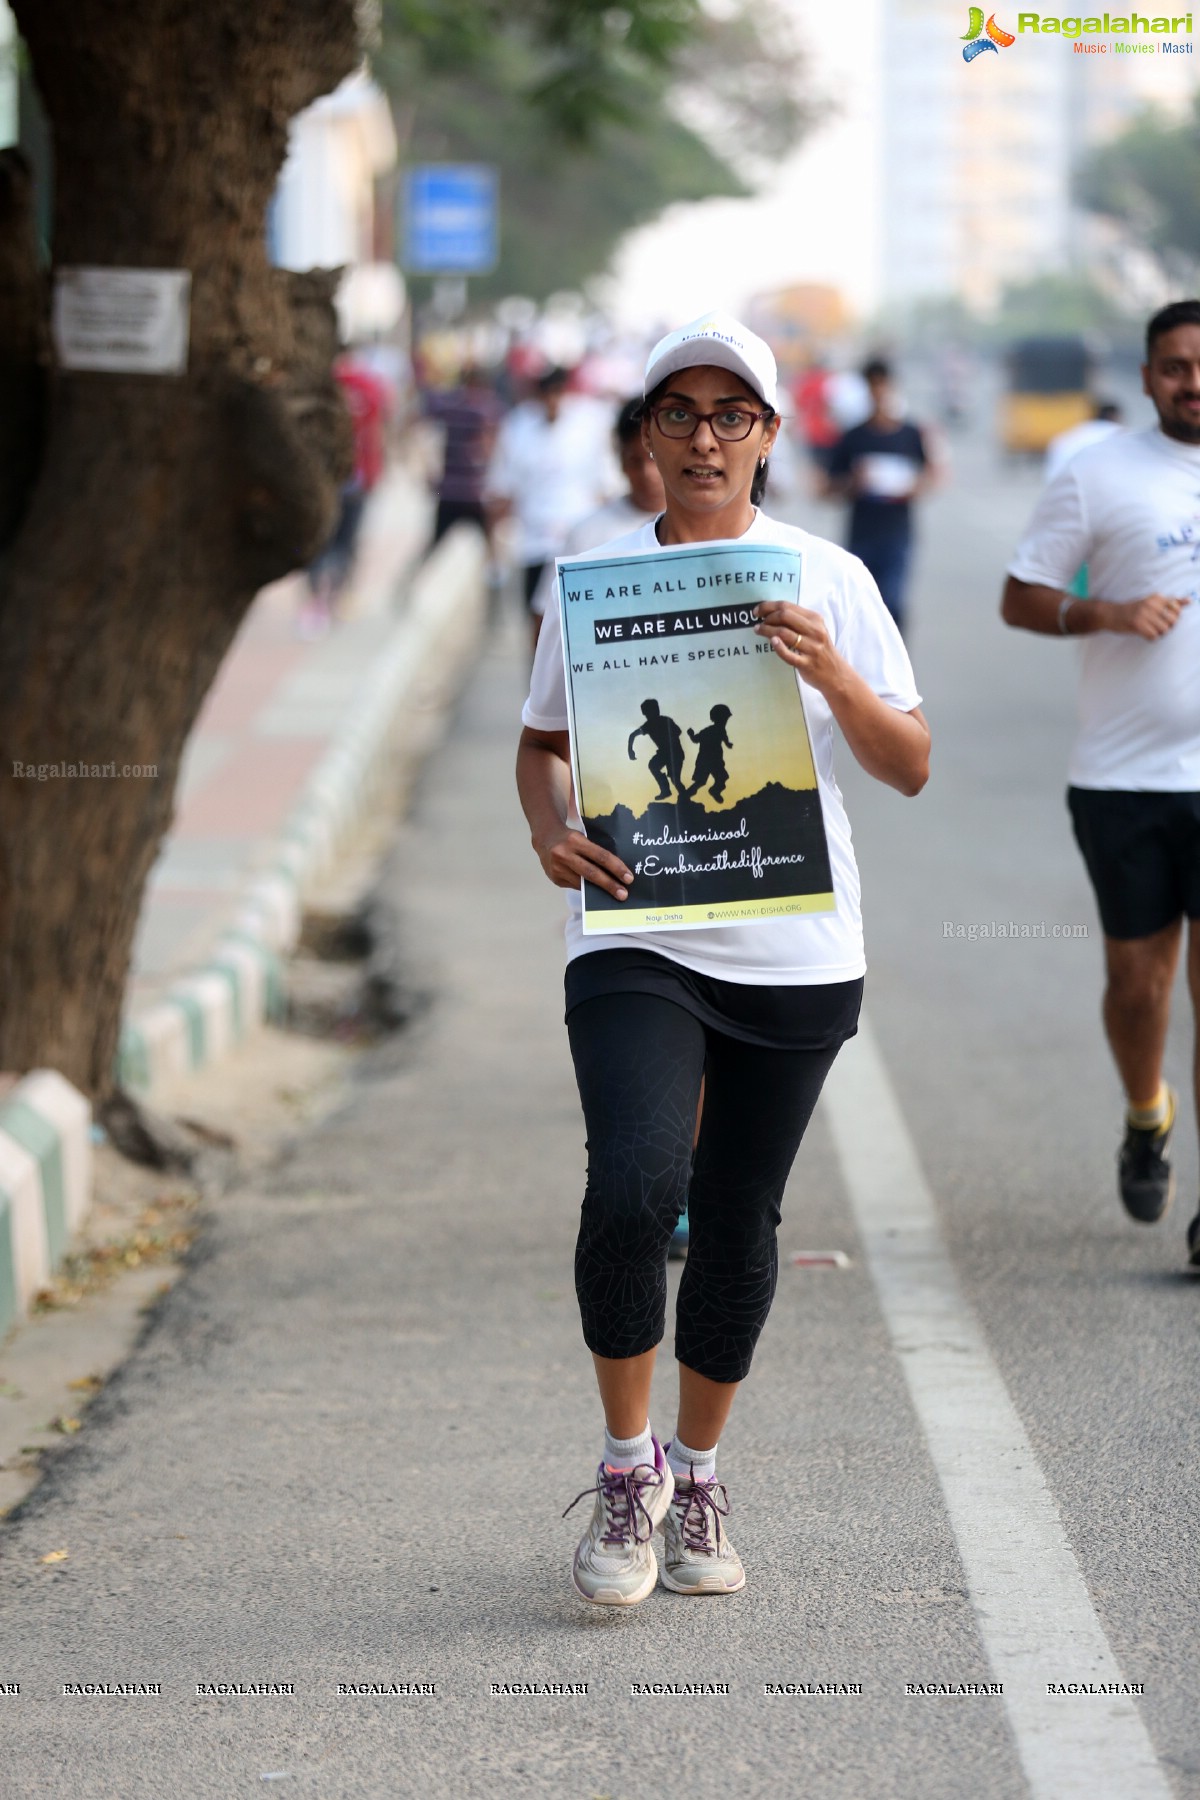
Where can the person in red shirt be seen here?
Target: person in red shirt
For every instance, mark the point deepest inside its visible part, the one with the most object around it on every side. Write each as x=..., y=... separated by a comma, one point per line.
x=369, y=404
x=818, y=427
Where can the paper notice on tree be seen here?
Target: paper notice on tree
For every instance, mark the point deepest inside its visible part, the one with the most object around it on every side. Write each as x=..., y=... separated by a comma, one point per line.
x=689, y=745
x=123, y=321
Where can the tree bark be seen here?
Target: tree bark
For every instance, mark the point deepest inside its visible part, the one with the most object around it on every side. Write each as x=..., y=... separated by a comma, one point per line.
x=163, y=503
x=24, y=343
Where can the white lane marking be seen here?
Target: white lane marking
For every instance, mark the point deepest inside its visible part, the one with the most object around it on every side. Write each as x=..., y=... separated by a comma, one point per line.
x=1033, y=1609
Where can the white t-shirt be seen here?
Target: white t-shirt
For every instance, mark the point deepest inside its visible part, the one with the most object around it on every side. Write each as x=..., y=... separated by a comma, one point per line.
x=806, y=949
x=553, y=472
x=1067, y=445
x=612, y=521
x=848, y=398
x=1130, y=509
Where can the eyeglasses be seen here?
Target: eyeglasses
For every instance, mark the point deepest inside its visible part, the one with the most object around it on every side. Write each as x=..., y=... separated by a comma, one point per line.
x=730, y=425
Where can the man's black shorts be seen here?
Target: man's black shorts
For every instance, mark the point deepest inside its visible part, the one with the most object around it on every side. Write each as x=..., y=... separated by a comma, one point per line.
x=531, y=575
x=1143, y=854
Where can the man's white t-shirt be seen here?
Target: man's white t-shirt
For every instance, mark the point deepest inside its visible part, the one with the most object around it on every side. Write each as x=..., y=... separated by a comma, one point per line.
x=607, y=522
x=554, y=472
x=807, y=949
x=1130, y=509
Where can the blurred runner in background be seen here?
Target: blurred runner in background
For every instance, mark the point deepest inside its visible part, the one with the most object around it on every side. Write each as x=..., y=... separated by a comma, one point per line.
x=552, y=465
x=369, y=403
x=882, y=466
x=1129, y=507
x=811, y=394
x=849, y=398
x=469, y=414
x=643, y=499
x=954, y=385
x=1067, y=444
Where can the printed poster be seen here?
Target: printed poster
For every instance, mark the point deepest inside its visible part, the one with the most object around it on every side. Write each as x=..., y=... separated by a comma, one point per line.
x=690, y=749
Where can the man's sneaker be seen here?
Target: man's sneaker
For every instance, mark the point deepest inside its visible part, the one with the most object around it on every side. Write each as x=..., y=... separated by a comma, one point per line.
x=698, y=1558
x=615, y=1564
x=1193, y=1242
x=1144, y=1173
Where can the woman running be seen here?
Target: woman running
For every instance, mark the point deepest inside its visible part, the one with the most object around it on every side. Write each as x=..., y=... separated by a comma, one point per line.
x=757, y=1011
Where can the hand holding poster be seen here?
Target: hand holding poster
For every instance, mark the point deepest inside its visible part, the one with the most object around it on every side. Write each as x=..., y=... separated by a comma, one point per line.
x=689, y=745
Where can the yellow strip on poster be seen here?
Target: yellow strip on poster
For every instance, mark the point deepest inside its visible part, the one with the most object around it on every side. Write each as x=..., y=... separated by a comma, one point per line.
x=728, y=912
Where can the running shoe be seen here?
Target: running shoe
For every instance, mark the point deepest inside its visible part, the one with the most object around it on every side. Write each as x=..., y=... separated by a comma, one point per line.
x=698, y=1558
x=1193, y=1242
x=1144, y=1173
x=677, y=1249
x=615, y=1564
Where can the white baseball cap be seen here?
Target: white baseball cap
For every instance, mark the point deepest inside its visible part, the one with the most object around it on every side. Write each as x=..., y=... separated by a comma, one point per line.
x=715, y=338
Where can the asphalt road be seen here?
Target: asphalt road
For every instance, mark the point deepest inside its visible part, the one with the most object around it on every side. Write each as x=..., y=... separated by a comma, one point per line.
x=340, y=1454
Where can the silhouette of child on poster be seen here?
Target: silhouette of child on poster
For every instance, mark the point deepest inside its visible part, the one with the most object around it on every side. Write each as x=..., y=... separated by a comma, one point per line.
x=667, y=739
x=710, y=764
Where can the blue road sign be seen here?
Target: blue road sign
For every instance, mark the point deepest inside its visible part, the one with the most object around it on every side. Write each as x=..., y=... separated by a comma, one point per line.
x=450, y=219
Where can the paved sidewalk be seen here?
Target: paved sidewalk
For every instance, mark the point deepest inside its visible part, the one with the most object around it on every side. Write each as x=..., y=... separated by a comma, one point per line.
x=267, y=721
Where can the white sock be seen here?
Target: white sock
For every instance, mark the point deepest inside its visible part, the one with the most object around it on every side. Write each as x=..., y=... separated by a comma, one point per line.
x=627, y=1453
x=1152, y=1117
x=683, y=1461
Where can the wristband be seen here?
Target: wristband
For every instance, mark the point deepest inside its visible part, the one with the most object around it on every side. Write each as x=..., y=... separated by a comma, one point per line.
x=1064, y=607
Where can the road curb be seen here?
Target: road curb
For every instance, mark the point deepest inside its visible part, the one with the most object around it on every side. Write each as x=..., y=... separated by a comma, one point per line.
x=241, y=984
x=45, y=1184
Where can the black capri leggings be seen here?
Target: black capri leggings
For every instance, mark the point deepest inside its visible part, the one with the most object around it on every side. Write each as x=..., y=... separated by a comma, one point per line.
x=639, y=1060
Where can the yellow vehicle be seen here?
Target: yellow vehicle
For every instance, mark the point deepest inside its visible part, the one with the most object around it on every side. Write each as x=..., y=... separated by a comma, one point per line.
x=1048, y=391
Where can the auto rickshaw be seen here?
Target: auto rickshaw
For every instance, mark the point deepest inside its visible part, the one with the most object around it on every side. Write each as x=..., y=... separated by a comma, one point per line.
x=1048, y=391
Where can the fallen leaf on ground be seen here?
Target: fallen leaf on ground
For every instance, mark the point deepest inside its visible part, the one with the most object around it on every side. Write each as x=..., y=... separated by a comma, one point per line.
x=87, y=1384
x=56, y=1556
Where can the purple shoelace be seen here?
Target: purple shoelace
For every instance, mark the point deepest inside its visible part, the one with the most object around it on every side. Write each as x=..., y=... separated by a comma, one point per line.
x=621, y=1492
x=695, y=1525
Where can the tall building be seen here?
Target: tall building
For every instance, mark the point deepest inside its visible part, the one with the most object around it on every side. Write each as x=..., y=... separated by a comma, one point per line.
x=976, y=157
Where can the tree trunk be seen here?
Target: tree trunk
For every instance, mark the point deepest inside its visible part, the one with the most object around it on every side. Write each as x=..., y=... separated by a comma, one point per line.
x=163, y=503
